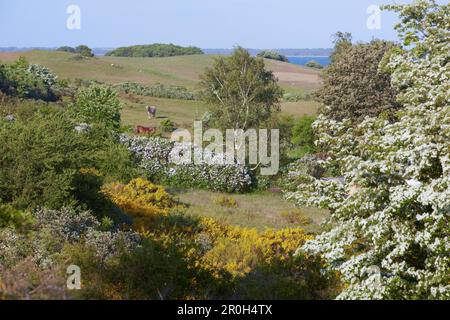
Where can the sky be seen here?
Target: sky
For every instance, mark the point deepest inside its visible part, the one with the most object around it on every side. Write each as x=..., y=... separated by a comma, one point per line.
x=202, y=23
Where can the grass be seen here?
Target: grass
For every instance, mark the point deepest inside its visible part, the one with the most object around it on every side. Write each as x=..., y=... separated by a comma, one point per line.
x=182, y=112
x=181, y=70
x=300, y=108
x=258, y=210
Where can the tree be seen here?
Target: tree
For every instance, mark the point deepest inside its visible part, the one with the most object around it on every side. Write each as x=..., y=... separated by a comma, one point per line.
x=154, y=50
x=66, y=49
x=28, y=81
x=390, y=224
x=84, y=51
x=243, y=94
x=97, y=104
x=273, y=55
x=314, y=64
x=353, y=86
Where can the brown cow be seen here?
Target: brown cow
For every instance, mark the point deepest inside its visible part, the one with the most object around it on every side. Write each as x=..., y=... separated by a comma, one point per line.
x=144, y=130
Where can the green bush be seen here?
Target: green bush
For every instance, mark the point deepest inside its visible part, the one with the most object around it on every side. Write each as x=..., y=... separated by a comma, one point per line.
x=314, y=64
x=66, y=49
x=84, y=51
x=42, y=155
x=13, y=218
x=23, y=80
x=272, y=55
x=97, y=104
x=353, y=86
x=167, y=125
x=303, y=134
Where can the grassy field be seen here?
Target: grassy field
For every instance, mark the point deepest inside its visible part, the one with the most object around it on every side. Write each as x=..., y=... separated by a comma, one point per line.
x=181, y=112
x=182, y=71
x=184, y=112
x=258, y=210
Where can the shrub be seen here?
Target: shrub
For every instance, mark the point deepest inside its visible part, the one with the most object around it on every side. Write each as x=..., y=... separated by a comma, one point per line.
x=353, y=85
x=13, y=218
x=167, y=125
x=153, y=155
x=97, y=104
x=314, y=64
x=42, y=155
x=141, y=199
x=226, y=202
x=303, y=134
x=84, y=51
x=52, y=230
x=272, y=55
x=28, y=81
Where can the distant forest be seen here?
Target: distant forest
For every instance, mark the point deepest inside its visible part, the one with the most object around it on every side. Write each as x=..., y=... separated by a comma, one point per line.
x=154, y=50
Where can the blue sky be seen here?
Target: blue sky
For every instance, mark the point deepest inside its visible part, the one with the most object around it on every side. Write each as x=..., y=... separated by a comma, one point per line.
x=203, y=23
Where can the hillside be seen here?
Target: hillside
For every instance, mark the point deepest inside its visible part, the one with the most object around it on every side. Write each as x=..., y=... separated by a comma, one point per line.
x=181, y=70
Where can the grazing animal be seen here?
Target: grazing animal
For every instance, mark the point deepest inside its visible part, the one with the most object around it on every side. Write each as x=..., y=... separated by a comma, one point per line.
x=144, y=130
x=151, y=112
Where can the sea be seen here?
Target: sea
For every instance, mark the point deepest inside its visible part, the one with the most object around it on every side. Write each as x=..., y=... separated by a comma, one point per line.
x=303, y=60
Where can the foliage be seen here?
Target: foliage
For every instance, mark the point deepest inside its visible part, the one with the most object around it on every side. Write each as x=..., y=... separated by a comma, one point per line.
x=42, y=156
x=167, y=125
x=353, y=86
x=28, y=81
x=226, y=202
x=13, y=218
x=84, y=51
x=303, y=134
x=242, y=93
x=153, y=155
x=389, y=228
x=66, y=49
x=273, y=55
x=157, y=90
x=154, y=50
x=314, y=64
x=97, y=104
x=140, y=199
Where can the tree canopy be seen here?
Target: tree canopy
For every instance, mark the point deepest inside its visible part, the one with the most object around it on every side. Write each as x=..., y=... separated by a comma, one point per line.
x=353, y=85
x=242, y=93
x=154, y=50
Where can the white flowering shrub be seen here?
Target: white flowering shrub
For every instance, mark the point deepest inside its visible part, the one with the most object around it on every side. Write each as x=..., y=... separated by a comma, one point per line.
x=154, y=155
x=47, y=77
x=389, y=230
